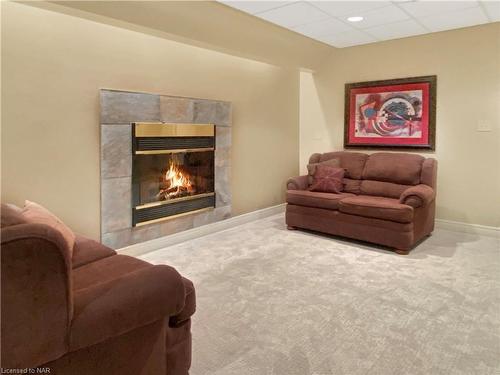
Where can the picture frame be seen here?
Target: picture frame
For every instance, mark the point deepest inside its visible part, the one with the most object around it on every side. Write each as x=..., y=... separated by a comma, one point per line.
x=391, y=114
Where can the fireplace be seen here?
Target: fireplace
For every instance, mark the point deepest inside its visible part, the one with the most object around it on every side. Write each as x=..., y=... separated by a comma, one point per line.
x=172, y=170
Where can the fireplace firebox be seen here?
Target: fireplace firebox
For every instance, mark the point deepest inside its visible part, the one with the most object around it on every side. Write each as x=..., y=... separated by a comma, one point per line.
x=172, y=170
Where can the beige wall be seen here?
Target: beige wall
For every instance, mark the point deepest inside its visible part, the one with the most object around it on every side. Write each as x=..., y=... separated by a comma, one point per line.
x=53, y=66
x=208, y=24
x=467, y=64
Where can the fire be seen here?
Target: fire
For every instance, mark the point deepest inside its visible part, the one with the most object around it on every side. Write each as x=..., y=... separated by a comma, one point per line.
x=177, y=178
x=177, y=183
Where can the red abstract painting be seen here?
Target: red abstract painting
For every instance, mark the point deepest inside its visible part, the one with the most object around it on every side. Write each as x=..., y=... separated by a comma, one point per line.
x=395, y=113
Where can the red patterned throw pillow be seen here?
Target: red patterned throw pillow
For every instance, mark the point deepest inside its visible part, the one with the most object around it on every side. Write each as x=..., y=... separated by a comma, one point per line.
x=327, y=179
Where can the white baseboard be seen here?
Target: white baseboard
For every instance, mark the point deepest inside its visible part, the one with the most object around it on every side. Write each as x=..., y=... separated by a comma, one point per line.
x=457, y=226
x=173, y=239
x=159, y=243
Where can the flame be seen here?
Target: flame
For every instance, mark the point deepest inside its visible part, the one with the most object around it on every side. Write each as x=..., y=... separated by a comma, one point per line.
x=177, y=179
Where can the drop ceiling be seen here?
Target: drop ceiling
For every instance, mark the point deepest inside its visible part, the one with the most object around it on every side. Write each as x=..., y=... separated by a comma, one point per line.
x=327, y=22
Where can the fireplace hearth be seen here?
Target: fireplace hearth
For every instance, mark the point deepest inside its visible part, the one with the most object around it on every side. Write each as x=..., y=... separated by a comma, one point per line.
x=172, y=170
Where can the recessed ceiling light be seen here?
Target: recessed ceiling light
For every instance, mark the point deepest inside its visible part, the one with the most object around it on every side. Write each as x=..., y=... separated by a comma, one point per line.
x=355, y=19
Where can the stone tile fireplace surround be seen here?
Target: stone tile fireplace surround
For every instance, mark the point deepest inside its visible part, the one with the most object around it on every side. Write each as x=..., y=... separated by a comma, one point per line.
x=119, y=110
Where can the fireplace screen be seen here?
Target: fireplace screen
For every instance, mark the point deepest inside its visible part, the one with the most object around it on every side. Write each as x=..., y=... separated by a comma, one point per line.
x=173, y=170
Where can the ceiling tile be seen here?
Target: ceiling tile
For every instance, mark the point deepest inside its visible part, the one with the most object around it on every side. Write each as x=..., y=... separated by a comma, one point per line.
x=326, y=20
x=253, y=7
x=434, y=8
x=454, y=20
x=493, y=9
x=348, y=8
x=347, y=39
x=324, y=27
x=293, y=14
x=381, y=16
x=396, y=30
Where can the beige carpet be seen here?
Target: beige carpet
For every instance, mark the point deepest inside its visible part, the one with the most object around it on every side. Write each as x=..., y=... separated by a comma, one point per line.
x=272, y=301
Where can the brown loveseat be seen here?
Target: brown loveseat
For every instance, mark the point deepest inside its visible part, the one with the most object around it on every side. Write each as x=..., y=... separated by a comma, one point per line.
x=95, y=312
x=388, y=199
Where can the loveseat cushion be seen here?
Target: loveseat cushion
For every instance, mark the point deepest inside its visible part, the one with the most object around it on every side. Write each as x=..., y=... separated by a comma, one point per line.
x=312, y=167
x=399, y=168
x=86, y=251
x=306, y=198
x=377, y=207
x=327, y=179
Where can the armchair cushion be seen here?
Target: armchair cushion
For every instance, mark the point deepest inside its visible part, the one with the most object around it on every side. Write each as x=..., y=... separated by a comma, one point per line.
x=417, y=196
x=105, y=269
x=298, y=183
x=86, y=251
x=108, y=309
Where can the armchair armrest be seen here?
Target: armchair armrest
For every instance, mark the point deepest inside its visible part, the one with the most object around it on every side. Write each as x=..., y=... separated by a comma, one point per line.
x=36, y=294
x=298, y=183
x=417, y=196
x=116, y=307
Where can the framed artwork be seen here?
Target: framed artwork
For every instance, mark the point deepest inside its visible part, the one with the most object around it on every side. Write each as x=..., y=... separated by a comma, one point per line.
x=396, y=113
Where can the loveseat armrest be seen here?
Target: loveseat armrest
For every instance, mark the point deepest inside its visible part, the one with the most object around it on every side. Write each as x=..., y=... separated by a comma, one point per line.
x=298, y=183
x=113, y=308
x=417, y=196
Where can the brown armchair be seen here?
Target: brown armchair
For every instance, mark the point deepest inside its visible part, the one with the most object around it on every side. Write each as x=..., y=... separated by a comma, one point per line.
x=90, y=312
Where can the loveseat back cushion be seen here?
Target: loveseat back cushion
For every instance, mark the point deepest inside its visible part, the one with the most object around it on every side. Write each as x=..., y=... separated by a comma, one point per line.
x=352, y=186
x=429, y=172
x=352, y=162
x=382, y=189
x=399, y=168
x=377, y=207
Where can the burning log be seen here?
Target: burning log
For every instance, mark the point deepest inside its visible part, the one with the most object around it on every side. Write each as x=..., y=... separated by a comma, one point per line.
x=174, y=192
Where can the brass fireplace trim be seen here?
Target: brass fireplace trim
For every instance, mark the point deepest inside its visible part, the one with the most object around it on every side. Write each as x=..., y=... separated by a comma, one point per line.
x=170, y=201
x=174, y=151
x=174, y=216
x=160, y=129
